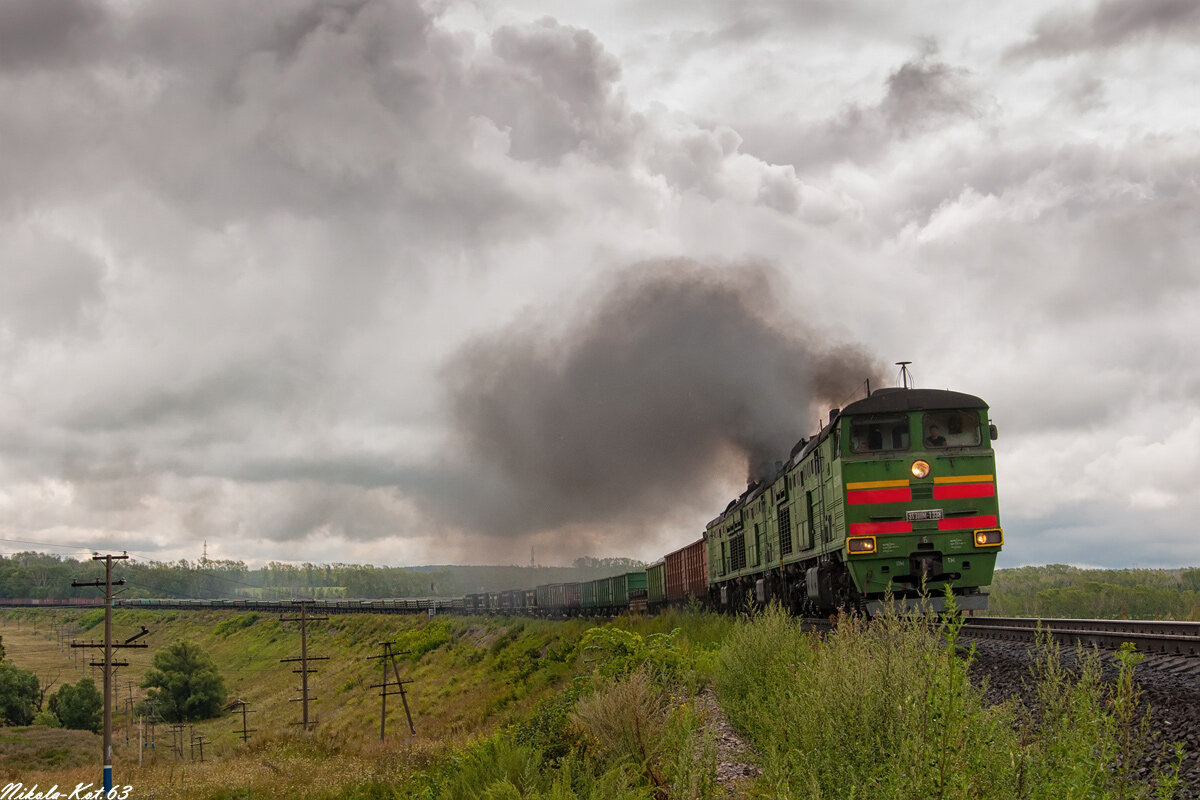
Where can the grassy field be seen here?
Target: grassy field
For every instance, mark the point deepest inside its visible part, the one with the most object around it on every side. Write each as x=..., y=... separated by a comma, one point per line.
x=470, y=677
x=539, y=710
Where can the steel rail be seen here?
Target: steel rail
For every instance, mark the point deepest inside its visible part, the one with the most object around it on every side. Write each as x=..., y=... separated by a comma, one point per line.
x=1148, y=636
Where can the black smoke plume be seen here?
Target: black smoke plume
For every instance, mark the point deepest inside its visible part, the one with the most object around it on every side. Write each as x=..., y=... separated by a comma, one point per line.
x=636, y=406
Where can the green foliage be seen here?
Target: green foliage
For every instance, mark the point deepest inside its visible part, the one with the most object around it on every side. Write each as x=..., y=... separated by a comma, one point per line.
x=46, y=718
x=184, y=683
x=19, y=695
x=79, y=706
x=617, y=653
x=632, y=723
x=886, y=710
x=90, y=619
x=425, y=639
x=1058, y=590
x=236, y=623
x=498, y=769
x=548, y=727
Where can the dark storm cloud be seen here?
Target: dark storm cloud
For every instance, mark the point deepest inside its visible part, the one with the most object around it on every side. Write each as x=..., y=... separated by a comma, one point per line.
x=624, y=415
x=1112, y=23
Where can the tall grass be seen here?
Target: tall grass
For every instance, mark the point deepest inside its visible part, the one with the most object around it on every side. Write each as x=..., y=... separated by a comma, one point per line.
x=886, y=710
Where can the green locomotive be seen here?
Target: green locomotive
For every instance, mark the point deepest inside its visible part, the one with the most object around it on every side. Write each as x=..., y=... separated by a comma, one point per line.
x=897, y=493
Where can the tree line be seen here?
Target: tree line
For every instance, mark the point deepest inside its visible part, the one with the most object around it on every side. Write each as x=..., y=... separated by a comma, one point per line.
x=39, y=575
x=1059, y=590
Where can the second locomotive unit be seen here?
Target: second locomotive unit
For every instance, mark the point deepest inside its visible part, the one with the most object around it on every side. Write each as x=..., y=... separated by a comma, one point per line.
x=895, y=495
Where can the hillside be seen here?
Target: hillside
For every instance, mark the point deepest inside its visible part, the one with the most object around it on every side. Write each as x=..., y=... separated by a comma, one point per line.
x=470, y=677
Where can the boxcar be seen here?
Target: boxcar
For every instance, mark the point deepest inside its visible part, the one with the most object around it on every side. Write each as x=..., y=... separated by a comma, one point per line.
x=686, y=573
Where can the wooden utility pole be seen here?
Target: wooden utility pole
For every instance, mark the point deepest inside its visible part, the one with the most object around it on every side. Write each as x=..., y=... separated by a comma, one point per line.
x=198, y=742
x=108, y=645
x=388, y=658
x=304, y=658
x=244, y=706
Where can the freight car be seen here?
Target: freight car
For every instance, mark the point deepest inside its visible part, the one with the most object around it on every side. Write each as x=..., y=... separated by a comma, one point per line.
x=896, y=494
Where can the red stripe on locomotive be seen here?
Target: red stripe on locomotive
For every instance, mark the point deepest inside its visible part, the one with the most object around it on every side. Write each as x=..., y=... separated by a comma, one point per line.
x=858, y=497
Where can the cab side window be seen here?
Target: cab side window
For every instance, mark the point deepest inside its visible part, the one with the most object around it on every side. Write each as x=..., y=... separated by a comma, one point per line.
x=951, y=429
x=879, y=433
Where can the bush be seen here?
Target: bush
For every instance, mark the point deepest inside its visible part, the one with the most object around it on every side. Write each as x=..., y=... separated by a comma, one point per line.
x=79, y=706
x=46, y=718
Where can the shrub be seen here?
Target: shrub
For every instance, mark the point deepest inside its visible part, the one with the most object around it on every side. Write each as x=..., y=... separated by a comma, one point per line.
x=79, y=705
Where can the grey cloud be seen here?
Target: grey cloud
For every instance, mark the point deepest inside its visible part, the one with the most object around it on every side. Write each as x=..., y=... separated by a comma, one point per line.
x=47, y=284
x=922, y=96
x=1117, y=225
x=354, y=113
x=554, y=89
x=114, y=484
x=625, y=415
x=922, y=92
x=693, y=160
x=48, y=33
x=1111, y=23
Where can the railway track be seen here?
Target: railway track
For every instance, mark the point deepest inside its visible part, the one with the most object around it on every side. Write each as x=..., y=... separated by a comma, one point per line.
x=1148, y=636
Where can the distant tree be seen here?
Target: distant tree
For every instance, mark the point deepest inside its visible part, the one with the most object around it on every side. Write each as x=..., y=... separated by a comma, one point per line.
x=18, y=694
x=78, y=705
x=184, y=683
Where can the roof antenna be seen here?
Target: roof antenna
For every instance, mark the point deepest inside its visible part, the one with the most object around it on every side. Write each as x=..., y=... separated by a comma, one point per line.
x=904, y=373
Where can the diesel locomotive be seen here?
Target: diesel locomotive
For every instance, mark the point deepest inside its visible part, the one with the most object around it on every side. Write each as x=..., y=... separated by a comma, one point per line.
x=896, y=496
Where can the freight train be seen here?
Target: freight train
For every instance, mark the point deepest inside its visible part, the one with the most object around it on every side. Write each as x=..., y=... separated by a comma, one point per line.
x=895, y=497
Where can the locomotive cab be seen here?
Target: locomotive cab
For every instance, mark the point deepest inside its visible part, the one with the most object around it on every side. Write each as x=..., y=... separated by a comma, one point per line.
x=918, y=476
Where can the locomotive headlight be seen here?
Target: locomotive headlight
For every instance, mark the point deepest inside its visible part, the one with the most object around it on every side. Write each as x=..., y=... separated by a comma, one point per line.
x=861, y=545
x=989, y=537
x=920, y=468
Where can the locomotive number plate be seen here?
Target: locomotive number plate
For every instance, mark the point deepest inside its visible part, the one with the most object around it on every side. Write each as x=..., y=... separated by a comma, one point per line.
x=921, y=516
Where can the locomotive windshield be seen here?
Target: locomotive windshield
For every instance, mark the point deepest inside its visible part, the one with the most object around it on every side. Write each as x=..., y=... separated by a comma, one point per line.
x=951, y=429
x=879, y=432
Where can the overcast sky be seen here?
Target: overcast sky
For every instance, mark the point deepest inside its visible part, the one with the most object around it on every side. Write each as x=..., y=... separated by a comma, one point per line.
x=403, y=283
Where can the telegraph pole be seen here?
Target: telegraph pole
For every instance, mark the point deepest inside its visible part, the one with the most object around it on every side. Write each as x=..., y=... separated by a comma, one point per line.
x=108, y=583
x=304, y=658
x=390, y=655
x=244, y=706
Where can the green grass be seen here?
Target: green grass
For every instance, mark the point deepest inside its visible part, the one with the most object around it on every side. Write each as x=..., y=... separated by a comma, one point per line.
x=887, y=711
x=533, y=709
